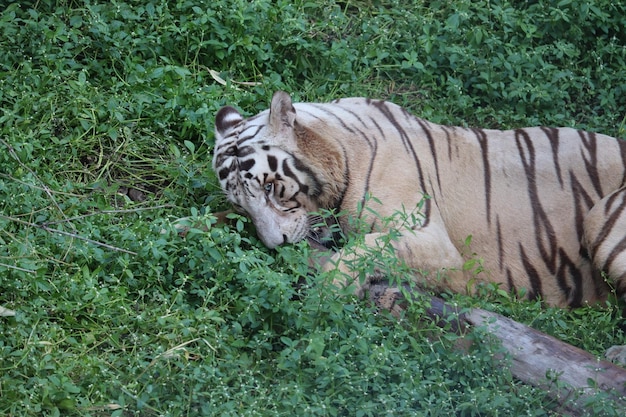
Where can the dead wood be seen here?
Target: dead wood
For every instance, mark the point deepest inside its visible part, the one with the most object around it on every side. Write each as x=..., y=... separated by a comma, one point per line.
x=566, y=373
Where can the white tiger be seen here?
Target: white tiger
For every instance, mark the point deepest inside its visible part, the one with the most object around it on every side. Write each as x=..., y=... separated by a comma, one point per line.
x=545, y=206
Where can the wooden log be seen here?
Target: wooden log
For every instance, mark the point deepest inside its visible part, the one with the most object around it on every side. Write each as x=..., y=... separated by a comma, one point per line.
x=566, y=373
x=542, y=360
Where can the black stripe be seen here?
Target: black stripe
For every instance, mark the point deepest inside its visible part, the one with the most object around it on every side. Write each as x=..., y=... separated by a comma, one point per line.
x=347, y=175
x=622, y=149
x=588, y=141
x=553, y=136
x=335, y=116
x=582, y=203
x=300, y=167
x=272, y=162
x=245, y=151
x=373, y=145
x=545, y=235
x=380, y=130
x=511, y=282
x=317, y=187
x=222, y=155
x=244, y=137
x=535, y=290
x=569, y=270
x=612, y=199
x=223, y=173
x=610, y=222
x=383, y=107
x=447, y=130
x=433, y=150
x=406, y=140
x=599, y=284
x=484, y=149
x=247, y=164
x=500, y=243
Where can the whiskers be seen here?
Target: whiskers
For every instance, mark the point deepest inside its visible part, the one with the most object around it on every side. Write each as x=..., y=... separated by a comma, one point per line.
x=323, y=230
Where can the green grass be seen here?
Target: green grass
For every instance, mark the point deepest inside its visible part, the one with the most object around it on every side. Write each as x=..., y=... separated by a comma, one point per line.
x=106, y=114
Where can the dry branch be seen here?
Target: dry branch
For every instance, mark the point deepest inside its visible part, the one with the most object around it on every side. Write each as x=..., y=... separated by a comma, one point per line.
x=64, y=233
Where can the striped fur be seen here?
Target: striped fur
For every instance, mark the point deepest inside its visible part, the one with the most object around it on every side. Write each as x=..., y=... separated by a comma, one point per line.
x=545, y=206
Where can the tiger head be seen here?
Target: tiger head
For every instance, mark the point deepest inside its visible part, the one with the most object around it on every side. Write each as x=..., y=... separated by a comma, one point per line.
x=266, y=173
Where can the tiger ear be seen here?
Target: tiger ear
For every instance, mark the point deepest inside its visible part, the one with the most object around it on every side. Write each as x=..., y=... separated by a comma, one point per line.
x=226, y=118
x=282, y=113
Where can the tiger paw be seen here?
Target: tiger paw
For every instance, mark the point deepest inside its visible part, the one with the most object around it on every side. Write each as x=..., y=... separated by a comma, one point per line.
x=387, y=298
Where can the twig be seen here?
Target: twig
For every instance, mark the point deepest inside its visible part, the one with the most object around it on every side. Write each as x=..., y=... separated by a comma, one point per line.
x=18, y=268
x=62, y=232
x=94, y=242
x=111, y=212
x=169, y=353
x=9, y=177
x=26, y=167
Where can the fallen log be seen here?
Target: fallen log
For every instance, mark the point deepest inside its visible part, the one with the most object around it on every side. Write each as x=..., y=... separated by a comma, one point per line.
x=540, y=360
x=566, y=373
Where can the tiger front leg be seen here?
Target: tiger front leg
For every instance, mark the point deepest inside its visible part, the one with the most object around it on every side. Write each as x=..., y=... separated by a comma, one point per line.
x=428, y=252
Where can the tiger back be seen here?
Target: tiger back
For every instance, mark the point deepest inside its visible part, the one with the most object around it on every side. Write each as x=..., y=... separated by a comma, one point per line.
x=544, y=206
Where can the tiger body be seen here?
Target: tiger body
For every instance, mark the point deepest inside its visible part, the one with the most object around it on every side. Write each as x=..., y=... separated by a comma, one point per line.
x=544, y=206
